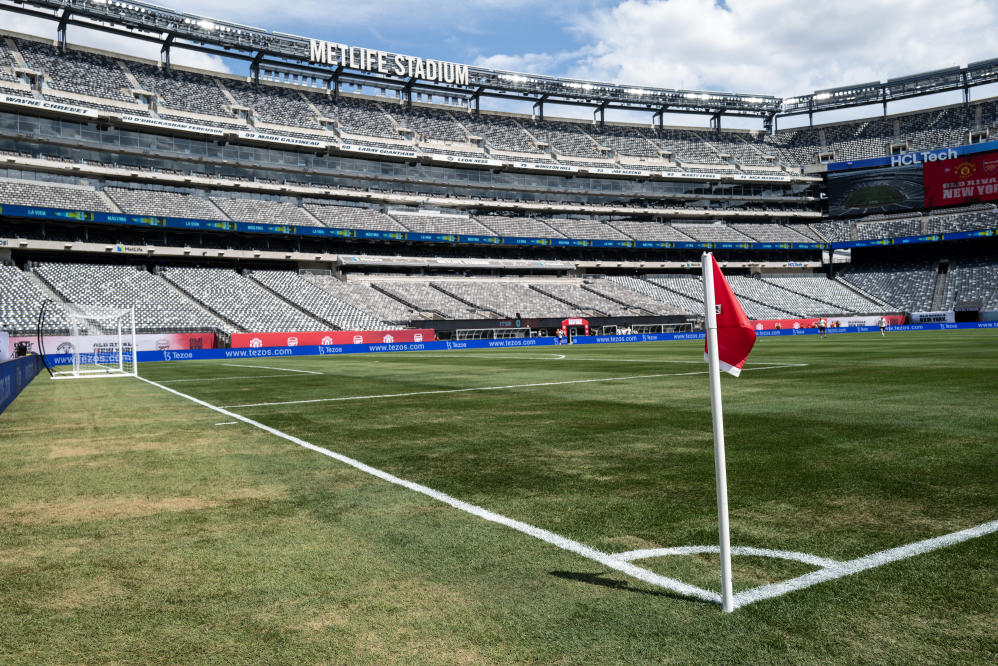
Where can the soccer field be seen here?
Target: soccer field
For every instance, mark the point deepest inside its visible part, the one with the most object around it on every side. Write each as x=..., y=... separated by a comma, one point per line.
x=547, y=504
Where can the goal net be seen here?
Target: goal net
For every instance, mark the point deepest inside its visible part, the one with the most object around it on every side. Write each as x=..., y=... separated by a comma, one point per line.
x=100, y=343
x=491, y=333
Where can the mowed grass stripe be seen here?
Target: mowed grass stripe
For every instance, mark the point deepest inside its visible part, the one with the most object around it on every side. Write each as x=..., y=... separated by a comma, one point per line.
x=651, y=442
x=137, y=530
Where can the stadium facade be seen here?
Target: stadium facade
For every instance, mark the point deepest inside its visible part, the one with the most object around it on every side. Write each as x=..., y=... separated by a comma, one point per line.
x=335, y=187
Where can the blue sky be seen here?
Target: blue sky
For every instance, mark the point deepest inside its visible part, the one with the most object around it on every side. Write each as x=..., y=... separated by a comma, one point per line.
x=776, y=47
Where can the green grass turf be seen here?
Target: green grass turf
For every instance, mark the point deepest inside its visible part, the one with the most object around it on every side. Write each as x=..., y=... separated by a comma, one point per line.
x=136, y=529
x=872, y=196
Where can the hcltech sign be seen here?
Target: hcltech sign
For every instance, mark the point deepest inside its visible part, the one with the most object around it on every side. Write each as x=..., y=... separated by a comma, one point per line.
x=383, y=62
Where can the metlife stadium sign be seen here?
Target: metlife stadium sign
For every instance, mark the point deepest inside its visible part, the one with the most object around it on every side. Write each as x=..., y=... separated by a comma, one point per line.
x=383, y=62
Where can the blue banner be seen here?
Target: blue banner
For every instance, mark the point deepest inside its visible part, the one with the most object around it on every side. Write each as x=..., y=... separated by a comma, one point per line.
x=15, y=375
x=40, y=213
x=911, y=159
x=512, y=343
x=907, y=240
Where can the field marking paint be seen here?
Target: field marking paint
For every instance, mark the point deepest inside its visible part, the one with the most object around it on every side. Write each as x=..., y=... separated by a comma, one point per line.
x=217, y=379
x=492, y=388
x=782, y=364
x=805, y=558
x=859, y=564
x=267, y=367
x=564, y=543
x=620, y=562
x=227, y=423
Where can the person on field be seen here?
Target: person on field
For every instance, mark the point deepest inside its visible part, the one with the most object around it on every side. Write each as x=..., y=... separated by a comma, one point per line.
x=822, y=325
x=883, y=326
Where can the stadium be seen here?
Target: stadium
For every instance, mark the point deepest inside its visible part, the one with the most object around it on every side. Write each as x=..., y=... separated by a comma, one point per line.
x=328, y=288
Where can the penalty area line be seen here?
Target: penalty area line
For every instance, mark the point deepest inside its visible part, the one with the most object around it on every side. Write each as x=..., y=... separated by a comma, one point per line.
x=495, y=388
x=268, y=367
x=564, y=543
x=217, y=379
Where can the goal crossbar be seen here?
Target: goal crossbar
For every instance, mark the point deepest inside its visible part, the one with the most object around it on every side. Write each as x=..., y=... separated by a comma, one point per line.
x=101, y=342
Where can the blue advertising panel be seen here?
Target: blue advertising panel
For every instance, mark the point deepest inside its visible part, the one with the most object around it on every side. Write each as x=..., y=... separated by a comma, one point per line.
x=456, y=345
x=908, y=240
x=15, y=375
x=33, y=212
x=915, y=158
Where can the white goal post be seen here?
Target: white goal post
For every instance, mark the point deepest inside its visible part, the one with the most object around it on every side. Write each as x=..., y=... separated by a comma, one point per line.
x=100, y=343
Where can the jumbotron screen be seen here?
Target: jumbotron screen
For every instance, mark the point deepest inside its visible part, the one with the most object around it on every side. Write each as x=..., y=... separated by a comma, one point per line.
x=965, y=180
x=886, y=190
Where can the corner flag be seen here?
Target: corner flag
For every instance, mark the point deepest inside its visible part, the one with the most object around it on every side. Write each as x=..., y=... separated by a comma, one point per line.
x=735, y=335
x=728, y=340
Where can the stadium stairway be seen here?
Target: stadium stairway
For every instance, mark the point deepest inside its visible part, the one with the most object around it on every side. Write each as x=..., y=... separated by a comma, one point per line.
x=422, y=311
x=633, y=308
x=939, y=293
x=582, y=310
x=811, y=296
x=331, y=325
x=486, y=313
x=853, y=288
x=233, y=325
x=46, y=288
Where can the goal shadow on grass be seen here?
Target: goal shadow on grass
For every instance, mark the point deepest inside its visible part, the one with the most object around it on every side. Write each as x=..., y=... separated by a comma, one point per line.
x=601, y=580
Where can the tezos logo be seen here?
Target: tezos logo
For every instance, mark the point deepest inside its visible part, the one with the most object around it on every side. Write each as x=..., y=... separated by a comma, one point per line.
x=256, y=342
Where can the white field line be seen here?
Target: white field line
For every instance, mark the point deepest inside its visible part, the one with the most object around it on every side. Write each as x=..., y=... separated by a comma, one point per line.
x=564, y=543
x=267, y=367
x=227, y=423
x=814, y=560
x=494, y=388
x=218, y=379
x=832, y=569
x=851, y=567
x=782, y=364
x=560, y=357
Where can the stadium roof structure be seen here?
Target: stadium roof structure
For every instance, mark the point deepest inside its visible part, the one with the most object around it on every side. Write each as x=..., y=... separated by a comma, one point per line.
x=280, y=52
x=881, y=92
x=292, y=55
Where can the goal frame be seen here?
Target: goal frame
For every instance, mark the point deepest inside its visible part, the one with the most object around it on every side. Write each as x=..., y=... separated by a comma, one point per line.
x=115, y=328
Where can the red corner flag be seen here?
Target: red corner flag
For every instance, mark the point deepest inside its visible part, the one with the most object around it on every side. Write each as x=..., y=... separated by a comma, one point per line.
x=735, y=335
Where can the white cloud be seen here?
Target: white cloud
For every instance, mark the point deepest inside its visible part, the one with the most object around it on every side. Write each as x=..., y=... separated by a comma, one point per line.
x=319, y=15
x=531, y=63
x=780, y=47
x=102, y=40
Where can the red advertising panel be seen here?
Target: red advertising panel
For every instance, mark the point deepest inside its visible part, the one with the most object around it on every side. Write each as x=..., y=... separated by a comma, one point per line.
x=311, y=338
x=963, y=180
x=88, y=344
x=833, y=322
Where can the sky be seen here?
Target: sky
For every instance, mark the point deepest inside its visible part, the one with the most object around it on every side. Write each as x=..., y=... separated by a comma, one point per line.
x=773, y=47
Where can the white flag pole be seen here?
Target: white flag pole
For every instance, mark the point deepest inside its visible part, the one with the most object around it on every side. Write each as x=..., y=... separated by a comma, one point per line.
x=720, y=474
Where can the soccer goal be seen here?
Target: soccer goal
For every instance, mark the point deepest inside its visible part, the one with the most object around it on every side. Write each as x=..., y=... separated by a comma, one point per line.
x=491, y=333
x=100, y=342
